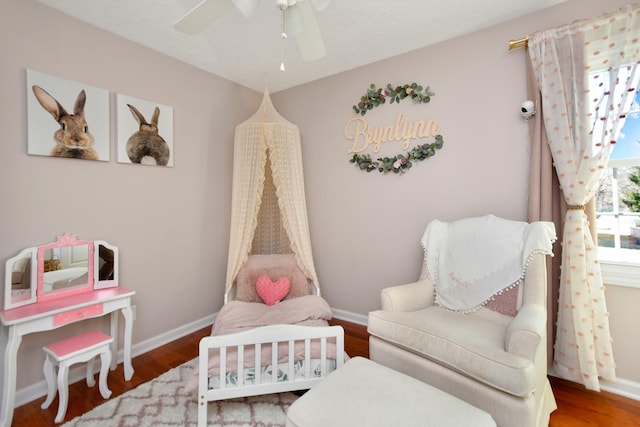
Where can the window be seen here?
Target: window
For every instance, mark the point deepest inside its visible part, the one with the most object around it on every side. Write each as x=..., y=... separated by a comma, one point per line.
x=618, y=197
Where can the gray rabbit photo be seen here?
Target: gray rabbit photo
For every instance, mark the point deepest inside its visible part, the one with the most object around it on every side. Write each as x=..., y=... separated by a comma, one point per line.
x=73, y=139
x=146, y=146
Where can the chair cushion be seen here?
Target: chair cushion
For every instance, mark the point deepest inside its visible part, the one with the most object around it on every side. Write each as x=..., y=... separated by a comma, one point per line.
x=507, y=302
x=472, y=344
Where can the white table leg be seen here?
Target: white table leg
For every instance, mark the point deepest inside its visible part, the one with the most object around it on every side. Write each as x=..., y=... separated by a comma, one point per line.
x=63, y=391
x=9, y=369
x=105, y=360
x=91, y=381
x=114, y=343
x=52, y=384
x=128, y=328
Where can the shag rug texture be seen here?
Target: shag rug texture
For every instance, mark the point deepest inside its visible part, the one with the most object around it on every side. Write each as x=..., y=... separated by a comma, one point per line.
x=161, y=403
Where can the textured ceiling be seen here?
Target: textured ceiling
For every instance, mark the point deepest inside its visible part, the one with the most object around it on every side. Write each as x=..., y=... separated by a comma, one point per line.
x=355, y=32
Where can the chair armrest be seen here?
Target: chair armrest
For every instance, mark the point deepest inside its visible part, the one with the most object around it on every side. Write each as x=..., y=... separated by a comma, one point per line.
x=409, y=297
x=526, y=331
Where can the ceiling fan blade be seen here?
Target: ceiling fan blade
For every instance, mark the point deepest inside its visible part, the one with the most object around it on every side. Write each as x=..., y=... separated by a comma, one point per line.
x=309, y=40
x=201, y=16
x=247, y=7
x=320, y=5
x=293, y=22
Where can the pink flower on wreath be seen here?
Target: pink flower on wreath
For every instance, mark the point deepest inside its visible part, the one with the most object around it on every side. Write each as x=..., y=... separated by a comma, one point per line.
x=398, y=163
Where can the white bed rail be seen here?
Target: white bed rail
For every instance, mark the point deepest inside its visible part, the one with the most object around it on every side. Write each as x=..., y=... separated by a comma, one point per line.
x=254, y=339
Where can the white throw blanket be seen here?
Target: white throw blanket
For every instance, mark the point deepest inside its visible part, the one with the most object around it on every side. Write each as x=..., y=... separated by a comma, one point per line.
x=473, y=259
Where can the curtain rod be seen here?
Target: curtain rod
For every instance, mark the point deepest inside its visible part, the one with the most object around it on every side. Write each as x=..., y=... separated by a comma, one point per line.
x=515, y=44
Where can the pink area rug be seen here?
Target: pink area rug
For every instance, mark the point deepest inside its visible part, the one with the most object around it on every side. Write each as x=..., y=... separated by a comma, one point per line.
x=161, y=403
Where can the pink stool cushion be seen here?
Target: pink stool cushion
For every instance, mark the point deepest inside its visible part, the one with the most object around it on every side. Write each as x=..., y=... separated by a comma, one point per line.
x=78, y=342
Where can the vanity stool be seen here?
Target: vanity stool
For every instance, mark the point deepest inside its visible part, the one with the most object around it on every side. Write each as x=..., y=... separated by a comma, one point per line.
x=79, y=348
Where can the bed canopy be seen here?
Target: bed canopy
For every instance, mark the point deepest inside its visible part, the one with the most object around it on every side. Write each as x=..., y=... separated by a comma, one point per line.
x=268, y=205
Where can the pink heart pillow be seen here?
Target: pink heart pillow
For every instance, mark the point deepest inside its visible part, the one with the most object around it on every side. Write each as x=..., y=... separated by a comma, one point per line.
x=272, y=292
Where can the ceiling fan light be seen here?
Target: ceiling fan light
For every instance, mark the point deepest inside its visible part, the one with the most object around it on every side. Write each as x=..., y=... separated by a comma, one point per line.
x=320, y=5
x=247, y=7
x=293, y=20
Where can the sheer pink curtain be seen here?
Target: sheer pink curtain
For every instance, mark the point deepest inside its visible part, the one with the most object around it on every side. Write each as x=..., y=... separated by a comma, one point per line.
x=545, y=203
x=586, y=73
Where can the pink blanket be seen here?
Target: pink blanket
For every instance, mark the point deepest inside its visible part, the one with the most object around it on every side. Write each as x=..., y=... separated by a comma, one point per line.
x=236, y=316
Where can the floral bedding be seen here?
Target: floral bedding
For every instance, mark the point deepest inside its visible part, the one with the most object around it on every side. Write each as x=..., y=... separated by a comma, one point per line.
x=266, y=373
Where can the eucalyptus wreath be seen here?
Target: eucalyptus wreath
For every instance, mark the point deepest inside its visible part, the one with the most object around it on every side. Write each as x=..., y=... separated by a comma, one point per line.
x=399, y=163
x=378, y=96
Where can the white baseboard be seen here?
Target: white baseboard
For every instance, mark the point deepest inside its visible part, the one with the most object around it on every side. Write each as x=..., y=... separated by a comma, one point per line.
x=167, y=337
x=622, y=387
x=78, y=373
x=348, y=316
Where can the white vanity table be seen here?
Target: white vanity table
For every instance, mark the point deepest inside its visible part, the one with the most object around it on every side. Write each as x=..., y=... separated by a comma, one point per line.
x=70, y=302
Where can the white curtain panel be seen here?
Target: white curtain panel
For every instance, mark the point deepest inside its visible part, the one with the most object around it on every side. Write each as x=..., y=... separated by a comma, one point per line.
x=249, y=158
x=267, y=133
x=587, y=73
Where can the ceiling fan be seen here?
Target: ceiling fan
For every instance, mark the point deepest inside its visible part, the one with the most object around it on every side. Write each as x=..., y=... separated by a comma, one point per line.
x=298, y=19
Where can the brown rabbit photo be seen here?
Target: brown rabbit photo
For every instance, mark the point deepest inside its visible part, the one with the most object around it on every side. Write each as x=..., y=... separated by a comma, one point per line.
x=80, y=112
x=146, y=146
x=73, y=139
x=145, y=131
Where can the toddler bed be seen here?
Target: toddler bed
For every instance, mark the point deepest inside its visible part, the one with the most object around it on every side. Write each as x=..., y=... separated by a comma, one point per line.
x=259, y=348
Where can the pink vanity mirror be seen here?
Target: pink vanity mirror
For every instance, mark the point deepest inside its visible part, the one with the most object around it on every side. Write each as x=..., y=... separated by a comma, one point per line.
x=62, y=268
x=65, y=267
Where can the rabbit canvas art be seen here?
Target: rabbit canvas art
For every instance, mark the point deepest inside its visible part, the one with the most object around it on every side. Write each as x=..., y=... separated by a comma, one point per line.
x=73, y=139
x=66, y=118
x=146, y=146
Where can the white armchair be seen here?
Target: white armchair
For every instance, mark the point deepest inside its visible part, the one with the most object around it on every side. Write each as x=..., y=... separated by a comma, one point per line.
x=494, y=361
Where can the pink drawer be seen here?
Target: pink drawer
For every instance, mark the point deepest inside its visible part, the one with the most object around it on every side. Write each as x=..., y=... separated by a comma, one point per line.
x=78, y=314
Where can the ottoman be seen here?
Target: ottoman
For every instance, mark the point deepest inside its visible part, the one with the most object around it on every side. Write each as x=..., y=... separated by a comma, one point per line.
x=364, y=393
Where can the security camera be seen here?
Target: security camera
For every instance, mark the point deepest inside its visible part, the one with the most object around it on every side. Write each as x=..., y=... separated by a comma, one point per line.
x=527, y=109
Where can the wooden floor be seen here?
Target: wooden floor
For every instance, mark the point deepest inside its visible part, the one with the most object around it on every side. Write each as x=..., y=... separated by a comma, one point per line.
x=577, y=407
